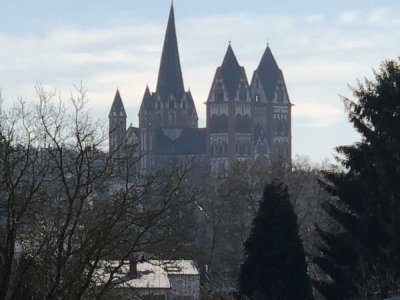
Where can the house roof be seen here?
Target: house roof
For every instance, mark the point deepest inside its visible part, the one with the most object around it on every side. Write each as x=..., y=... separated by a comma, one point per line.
x=170, y=81
x=151, y=275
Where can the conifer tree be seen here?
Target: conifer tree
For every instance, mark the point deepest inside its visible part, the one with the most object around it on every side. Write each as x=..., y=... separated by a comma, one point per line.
x=275, y=265
x=362, y=258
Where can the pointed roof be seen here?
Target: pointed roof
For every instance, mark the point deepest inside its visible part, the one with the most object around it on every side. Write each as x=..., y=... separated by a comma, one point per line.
x=148, y=102
x=170, y=74
x=117, y=106
x=231, y=72
x=268, y=73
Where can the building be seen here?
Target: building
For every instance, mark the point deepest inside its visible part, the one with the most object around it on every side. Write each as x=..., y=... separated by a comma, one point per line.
x=244, y=120
x=151, y=280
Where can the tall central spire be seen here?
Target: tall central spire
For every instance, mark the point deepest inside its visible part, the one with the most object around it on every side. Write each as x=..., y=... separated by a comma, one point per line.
x=170, y=74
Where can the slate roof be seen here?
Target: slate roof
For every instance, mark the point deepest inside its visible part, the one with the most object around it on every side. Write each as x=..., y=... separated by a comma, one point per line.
x=189, y=141
x=117, y=106
x=268, y=73
x=231, y=72
x=191, y=104
x=148, y=102
x=170, y=79
x=133, y=131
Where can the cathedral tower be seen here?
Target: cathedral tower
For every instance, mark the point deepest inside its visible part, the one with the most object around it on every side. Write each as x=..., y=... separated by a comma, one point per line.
x=272, y=110
x=170, y=109
x=170, y=104
x=117, y=124
x=229, y=115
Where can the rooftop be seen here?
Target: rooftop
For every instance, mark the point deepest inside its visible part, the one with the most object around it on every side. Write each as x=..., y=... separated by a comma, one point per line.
x=151, y=275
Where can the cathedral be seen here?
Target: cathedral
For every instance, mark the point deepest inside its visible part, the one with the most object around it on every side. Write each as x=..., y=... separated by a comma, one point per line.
x=245, y=120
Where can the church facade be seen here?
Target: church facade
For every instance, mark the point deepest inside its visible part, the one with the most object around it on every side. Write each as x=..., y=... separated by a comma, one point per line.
x=245, y=120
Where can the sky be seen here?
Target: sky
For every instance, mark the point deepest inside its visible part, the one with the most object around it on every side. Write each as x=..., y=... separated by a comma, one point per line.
x=322, y=47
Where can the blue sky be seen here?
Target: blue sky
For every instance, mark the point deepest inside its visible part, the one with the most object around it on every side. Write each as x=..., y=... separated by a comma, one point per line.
x=321, y=46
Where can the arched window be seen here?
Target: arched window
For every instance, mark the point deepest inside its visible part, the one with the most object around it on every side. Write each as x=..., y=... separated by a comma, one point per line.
x=223, y=123
x=219, y=92
x=238, y=123
x=242, y=92
x=246, y=124
x=226, y=166
x=275, y=127
x=218, y=124
x=171, y=119
x=280, y=94
x=257, y=130
x=285, y=128
x=280, y=128
x=213, y=124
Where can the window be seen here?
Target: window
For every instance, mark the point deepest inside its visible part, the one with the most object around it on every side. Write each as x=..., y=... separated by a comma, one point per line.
x=242, y=92
x=171, y=104
x=280, y=94
x=257, y=97
x=219, y=93
x=171, y=119
x=238, y=123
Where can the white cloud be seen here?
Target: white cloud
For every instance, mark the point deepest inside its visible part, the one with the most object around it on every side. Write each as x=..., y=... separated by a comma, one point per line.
x=318, y=114
x=105, y=57
x=349, y=17
x=314, y=18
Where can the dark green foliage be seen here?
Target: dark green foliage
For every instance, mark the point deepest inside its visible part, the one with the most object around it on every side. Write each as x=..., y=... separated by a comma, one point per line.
x=363, y=258
x=275, y=265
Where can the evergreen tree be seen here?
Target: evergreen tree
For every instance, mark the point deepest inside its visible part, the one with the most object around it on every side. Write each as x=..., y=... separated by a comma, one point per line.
x=275, y=265
x=362, y=258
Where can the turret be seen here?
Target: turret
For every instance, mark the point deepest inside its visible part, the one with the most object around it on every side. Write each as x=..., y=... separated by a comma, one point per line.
x=117, y=123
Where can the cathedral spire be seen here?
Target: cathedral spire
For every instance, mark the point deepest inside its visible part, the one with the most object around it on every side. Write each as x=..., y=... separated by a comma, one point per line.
x=170, y=74
x=117, y=107
x=231, y=72
x=268, y=72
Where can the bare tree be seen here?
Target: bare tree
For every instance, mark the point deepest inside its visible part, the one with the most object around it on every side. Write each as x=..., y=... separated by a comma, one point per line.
x=66, y=205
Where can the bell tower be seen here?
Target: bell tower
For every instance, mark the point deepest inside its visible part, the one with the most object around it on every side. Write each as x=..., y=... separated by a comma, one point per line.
x=272, y=110
x=229, y=116
x=117, y=124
